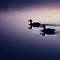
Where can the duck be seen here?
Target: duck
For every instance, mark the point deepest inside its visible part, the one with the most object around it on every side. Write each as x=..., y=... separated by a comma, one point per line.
x=33, y=24
x=47, y=31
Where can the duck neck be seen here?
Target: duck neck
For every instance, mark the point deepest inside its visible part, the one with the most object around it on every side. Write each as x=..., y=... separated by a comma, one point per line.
x=44, y=27
x=30, y=22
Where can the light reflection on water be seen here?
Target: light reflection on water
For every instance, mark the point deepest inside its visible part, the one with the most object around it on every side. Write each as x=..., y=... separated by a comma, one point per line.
x=16, y=24
x=18, y=20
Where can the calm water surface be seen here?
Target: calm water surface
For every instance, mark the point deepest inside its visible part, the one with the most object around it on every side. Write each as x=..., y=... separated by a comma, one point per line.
x=17, y=40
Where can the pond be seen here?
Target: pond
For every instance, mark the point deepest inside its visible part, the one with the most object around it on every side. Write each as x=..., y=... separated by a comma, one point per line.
x=17, y=37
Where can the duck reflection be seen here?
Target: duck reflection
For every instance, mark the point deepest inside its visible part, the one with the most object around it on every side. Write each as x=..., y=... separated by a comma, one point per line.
x=47, y=31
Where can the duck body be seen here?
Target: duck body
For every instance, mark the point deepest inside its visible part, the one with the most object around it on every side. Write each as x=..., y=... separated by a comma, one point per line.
x=36, y=24
x=48, y=31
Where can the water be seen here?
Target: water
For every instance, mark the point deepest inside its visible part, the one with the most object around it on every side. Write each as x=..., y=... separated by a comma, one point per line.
x=17, y=40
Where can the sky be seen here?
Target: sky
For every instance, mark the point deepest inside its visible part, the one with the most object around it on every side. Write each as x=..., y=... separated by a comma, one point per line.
x=17, y=41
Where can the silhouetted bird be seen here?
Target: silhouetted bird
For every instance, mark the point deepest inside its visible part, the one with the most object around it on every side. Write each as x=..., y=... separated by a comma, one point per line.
x=47, y=31
x=35, y=24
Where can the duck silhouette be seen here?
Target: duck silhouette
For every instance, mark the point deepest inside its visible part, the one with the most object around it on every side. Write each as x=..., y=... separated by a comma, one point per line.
x=35, y=24
x=47, y=31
